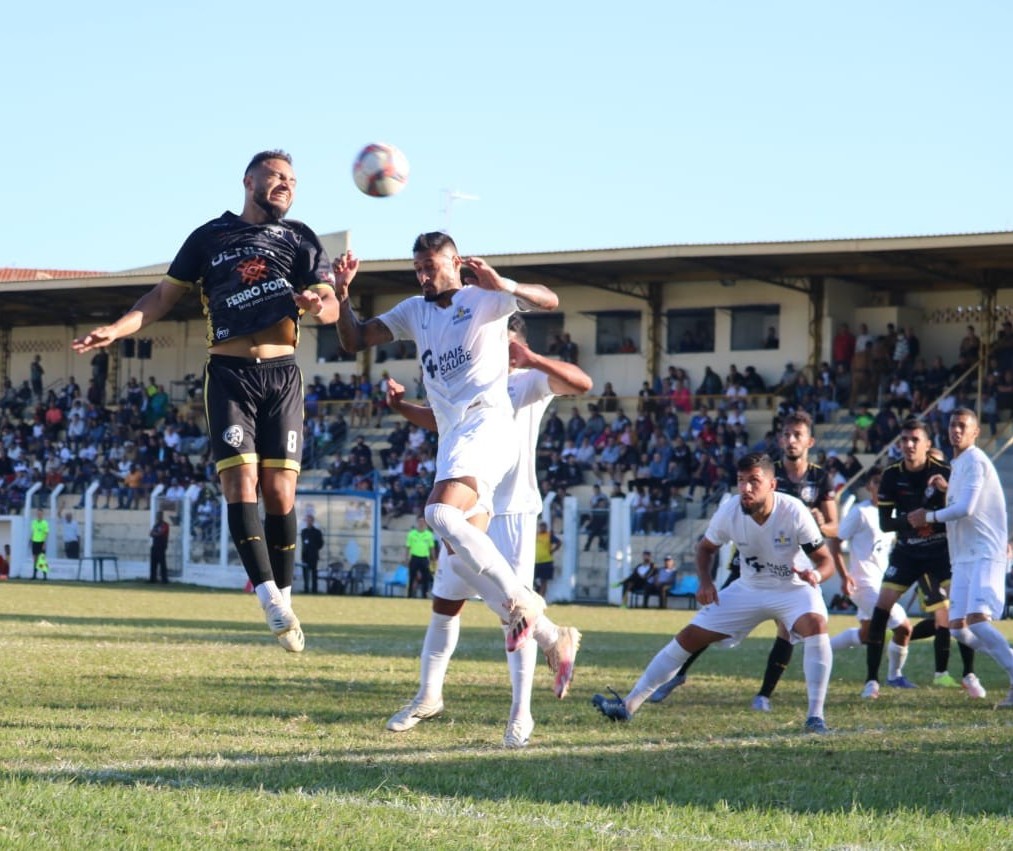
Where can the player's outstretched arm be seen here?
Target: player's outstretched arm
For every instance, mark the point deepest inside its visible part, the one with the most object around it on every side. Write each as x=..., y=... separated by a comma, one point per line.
x=565, y=379
x=484, y=276
x=416, y=414
x=150, y=307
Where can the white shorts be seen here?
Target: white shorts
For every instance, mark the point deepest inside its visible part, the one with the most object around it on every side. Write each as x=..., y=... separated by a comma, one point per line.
x=865, y=598
x=514, y=536
x=483, y=446
x=978, y=587
x=740, y=610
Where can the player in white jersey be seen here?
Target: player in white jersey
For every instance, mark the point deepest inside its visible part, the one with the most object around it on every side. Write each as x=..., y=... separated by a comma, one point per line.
x=783, y=559
x=532, y=385
x=461, y=335
x=976, y=532
x=870, y=551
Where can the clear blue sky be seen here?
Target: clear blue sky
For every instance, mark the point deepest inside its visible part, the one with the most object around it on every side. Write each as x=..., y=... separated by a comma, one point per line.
x=578, y=125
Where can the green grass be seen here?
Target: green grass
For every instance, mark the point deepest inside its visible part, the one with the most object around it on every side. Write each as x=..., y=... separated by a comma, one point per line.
x=169, y=718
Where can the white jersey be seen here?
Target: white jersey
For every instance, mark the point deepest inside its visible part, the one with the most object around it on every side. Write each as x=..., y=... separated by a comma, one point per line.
x=870, y=546
x=462, y=349
x=517, y=492
x=768, y=553
x=975, y=512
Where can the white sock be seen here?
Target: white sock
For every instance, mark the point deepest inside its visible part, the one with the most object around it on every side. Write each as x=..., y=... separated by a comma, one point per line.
x=522, y=664
x=994, y=644
x=817, y=660
x=845, y=640
x=286, y=595
x=546, y=633
x=897, y=654
x=659, y=671
x=480, y=563
x=966, y=637
x=267, y=592
x=439, y=645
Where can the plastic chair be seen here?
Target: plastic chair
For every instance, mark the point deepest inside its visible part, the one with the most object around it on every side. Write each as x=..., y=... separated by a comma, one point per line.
x=398, y=580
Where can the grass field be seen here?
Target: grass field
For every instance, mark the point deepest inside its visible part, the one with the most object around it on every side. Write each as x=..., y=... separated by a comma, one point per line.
x=169, y=718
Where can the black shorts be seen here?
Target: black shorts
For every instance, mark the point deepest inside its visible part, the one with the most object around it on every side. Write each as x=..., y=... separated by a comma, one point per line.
x=932, y=576
x=254, y=411
x=545, y=570
x=418, y=566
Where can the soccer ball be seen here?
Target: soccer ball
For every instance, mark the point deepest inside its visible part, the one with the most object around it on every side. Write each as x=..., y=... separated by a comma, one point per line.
x=380, y=170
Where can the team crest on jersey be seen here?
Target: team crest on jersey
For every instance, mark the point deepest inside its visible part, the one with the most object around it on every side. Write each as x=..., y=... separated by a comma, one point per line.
x=807, y=493
x=233, y=436
x=781, y=539
x=462, y=314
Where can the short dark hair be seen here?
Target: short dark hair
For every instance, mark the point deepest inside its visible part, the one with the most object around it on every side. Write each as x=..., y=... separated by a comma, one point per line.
x=756, y=459
x=798, y=418
x=872, y=473
x=915, y=424
x=964, y=412
x=258, y=158
x=435, y=240
x=517, y=324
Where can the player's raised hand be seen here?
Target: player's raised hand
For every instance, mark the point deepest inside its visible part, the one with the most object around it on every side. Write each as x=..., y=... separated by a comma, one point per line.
x=344, y=268
x=97, y=338
x=481, y=274
x=395, y=393
x=308, y=302
x=520, y=355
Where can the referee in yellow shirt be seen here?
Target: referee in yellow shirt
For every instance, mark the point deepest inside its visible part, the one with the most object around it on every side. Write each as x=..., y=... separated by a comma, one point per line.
x=420, y=551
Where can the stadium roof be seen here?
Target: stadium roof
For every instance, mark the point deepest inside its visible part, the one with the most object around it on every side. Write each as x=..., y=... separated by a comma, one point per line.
x=894, y=264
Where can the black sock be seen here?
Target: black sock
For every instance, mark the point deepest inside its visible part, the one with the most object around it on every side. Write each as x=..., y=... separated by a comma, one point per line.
x=874, y=642
x=777, y=661
x=280, y=531
x=967, y=658
x=941, y=645
x=923, y=629
x=248, y=536
x=686, y=665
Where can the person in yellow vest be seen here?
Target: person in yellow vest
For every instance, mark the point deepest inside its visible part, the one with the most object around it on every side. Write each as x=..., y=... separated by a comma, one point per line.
x=40, y=531
x=420, y=552
x=546, y=543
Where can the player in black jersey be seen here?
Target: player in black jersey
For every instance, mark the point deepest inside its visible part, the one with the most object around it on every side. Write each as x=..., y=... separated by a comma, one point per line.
x=256, y=273
x=811, y=484
x=920, y=555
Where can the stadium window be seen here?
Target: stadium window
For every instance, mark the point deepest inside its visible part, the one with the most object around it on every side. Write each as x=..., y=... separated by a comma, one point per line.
x=617, y=332
x=690, y=330
x=751, y=326
x=396, y=350
x=543, y=331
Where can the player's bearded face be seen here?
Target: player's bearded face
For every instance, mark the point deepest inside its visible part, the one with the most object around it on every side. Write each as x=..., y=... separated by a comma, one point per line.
x=274, y=188
x=436, y=272
x=755, y=488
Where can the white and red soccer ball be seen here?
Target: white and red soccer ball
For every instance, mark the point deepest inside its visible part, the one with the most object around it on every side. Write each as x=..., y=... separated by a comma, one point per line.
x=380, y=170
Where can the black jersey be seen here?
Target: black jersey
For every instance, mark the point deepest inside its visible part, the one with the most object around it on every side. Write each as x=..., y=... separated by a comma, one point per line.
x=902, y=491
x=813, y=488
x=247, y=273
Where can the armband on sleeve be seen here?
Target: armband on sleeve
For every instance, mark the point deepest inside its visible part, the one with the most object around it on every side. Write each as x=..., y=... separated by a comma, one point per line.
x=809, y=549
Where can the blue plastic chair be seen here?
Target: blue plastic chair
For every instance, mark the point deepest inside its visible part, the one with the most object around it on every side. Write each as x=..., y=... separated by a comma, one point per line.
x=398, y=580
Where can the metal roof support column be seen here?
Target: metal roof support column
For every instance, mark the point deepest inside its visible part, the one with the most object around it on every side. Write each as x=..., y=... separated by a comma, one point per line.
x=5, y=351
x=655, y=337
x=817, y=309
x=988, y=299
